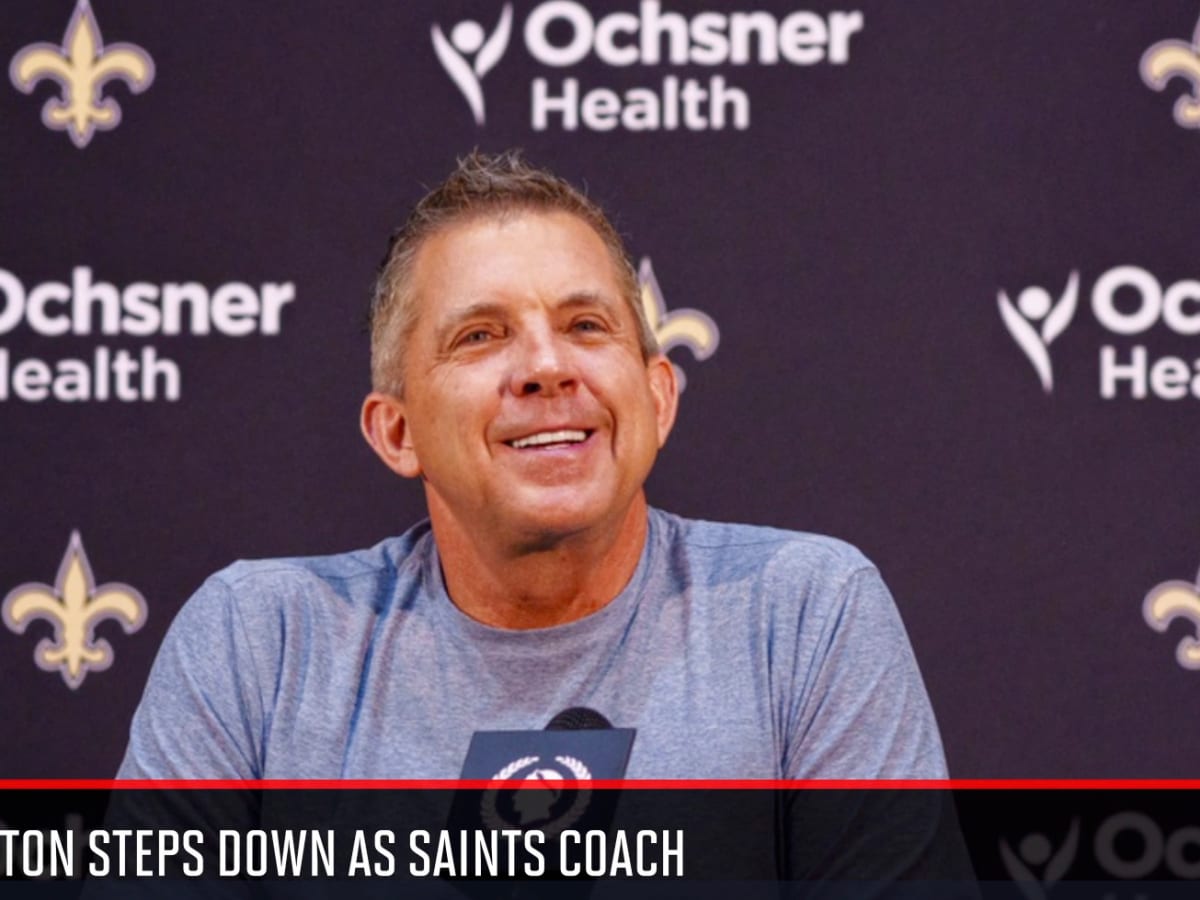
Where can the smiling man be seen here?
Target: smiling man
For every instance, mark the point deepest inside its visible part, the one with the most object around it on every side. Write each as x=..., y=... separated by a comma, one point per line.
x=532, y=404
x=515, y=375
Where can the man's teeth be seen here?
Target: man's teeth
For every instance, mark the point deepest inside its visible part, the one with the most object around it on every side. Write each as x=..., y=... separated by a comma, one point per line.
x=550, y=437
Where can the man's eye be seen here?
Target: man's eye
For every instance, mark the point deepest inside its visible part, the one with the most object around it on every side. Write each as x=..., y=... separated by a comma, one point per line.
x=478, y=336
x=588, y=325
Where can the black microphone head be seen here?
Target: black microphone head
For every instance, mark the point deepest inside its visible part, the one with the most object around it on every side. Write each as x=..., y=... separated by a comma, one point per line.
x=578, y=718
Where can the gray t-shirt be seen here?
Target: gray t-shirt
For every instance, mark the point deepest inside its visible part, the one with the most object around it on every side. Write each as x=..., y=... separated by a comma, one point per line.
x=735, y=651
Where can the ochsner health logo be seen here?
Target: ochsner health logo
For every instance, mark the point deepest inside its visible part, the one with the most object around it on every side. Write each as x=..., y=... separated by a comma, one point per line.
x=1022, y=320
x=1126, y=302
x=1035, y=865
x=561, y=34
x=467, y=39
x=112, y=317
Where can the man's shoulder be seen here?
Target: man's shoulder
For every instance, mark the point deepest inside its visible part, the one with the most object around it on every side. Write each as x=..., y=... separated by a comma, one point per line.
x=733, y=548
x=365, y=579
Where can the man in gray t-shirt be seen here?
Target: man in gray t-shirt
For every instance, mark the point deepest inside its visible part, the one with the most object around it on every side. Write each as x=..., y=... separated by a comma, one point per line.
x=514, y=373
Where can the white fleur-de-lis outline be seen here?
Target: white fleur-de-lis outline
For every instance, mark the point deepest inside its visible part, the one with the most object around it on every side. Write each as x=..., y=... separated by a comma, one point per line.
x=469, y=76
x=81, y=67
x=1176, y=59
x=1036, y=344
x=1173, y=600
x=676, y=328
x=1030, y=886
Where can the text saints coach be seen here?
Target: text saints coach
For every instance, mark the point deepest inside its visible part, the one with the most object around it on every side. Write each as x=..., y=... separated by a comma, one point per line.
x=514, y=373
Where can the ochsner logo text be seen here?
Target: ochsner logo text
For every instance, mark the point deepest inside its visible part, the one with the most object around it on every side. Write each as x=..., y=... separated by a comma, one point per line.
x=1127, y=302
x=1126, y=845
x=83, y=305
x=559, y=34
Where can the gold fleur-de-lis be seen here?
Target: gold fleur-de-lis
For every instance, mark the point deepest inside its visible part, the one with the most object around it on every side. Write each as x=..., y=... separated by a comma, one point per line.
x=74, y=606
x=82, y=66
x=678, y=328
x=1173, y=600
x=1170, y=59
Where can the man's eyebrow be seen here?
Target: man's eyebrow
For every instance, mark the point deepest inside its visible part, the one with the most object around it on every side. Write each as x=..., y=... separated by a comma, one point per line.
x=483, y=310
x=587, y=298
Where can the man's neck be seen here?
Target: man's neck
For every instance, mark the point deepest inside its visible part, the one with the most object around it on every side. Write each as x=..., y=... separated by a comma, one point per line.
x=510, y=586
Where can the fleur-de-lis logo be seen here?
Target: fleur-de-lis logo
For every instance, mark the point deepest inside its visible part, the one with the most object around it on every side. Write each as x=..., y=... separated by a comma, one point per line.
x=82, y=66
x=1171, y=59
x=681, y=327
x=74, y=606
x=1173, y=600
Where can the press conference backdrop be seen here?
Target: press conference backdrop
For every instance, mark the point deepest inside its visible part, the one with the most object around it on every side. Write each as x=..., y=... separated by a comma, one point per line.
x=929, y=270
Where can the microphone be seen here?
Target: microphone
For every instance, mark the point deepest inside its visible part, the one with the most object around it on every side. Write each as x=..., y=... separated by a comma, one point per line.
x=578, y=718
x=577, y=744
x=538, y=784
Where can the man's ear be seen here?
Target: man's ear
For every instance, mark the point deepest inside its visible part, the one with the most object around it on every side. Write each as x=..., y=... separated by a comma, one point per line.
x=386, y=430
x=665, y=389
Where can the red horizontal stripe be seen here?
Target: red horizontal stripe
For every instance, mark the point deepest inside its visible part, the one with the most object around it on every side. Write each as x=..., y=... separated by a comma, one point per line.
x=970, y=784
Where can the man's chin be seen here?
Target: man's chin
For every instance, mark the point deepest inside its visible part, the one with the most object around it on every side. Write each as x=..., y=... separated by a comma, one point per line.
x=546, y=532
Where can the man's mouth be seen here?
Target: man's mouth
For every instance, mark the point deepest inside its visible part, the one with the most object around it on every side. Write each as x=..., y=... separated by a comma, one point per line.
x=547, y=439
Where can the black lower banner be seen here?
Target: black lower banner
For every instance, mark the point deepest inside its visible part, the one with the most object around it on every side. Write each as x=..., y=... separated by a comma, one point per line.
x=574, y=839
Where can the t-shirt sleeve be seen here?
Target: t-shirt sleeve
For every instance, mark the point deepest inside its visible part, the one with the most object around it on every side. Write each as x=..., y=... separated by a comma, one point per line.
x=202, y=714
x=859, y=706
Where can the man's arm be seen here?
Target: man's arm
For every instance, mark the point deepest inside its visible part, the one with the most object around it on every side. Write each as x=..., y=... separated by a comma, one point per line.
x=863, y=713
x=860, y=706
x=202, y=714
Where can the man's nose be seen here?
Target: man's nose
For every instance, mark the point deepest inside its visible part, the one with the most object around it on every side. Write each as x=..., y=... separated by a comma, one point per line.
x=544, y=365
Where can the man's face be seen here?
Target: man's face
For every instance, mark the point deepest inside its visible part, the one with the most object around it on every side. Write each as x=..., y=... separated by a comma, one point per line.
x=528, y=407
